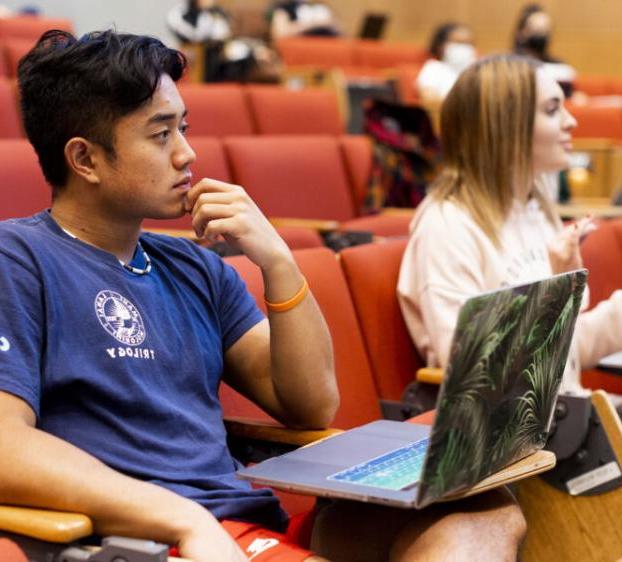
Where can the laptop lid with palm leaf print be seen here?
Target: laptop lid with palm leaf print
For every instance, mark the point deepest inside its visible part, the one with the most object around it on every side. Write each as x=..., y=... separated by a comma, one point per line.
x=506, y=364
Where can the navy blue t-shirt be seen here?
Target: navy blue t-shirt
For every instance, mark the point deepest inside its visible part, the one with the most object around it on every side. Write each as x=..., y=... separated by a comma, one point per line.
x=126, y=366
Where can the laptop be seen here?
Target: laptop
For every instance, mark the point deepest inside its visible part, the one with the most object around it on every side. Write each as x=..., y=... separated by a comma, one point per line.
x=373, y=26
x=494, y=408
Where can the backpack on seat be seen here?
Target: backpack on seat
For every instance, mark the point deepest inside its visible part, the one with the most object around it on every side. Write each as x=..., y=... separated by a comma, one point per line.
x=406, y=154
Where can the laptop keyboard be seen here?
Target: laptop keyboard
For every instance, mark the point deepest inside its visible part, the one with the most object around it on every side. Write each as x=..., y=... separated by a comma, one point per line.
x=395, y=470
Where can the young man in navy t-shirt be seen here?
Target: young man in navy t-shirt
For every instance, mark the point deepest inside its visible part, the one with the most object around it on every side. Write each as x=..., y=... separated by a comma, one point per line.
x=113, y=342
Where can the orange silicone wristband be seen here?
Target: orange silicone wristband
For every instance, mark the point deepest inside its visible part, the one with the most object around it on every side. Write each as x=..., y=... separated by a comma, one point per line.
x=291, y=303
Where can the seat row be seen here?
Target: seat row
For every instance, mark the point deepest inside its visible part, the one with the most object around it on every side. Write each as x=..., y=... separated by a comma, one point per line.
x=315, y=177
x=353, y=55
x=227, y=109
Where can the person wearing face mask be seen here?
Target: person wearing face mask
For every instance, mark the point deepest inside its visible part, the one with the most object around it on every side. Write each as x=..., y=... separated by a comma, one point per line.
x=452, y=50
x=532, y=38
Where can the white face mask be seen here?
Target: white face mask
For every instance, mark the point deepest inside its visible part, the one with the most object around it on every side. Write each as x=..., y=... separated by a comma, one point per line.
x=459, y=55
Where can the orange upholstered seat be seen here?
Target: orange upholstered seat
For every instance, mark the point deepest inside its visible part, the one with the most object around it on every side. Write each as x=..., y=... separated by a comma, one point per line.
x=216, y=109
x=31, y=27
x=23, y=189
x=10, y=122
x=293, y=176
x=597, y=121
x=382, y=54
x=392, y=355
x=602, y=256
x=277, y=110
x=316, y=51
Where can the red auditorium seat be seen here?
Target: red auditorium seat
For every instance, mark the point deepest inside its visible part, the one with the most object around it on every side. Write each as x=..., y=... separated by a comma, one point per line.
x=216, y=109
x=277, y=110
x=31, y=27
x=10, y=122
x=303, y=177
x=393, y=357
x=357, y=153
x=406, y=77
x=14, y=49
x=602, y=256
x=597, y=121
x=382, y=54
x=23, y=189
x=316, y=51
x=292, y=176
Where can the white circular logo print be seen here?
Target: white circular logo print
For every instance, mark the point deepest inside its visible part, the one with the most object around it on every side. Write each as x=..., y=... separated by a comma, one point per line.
x=120, y=318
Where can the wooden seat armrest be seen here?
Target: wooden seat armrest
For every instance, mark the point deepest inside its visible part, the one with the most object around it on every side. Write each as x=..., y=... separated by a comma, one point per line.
x=429, y=375
x=271, y=432
x=314, y=224
x=398, y=211
x=610, y=420
x=44, y=524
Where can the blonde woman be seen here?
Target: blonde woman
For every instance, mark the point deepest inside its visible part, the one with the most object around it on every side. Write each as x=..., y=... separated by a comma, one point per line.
x=488, y=221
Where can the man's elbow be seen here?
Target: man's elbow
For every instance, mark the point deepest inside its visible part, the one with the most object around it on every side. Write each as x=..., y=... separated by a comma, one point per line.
x=318, y=413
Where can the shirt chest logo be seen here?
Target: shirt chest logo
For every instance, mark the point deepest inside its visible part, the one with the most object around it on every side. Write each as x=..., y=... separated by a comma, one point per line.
x=120, y=318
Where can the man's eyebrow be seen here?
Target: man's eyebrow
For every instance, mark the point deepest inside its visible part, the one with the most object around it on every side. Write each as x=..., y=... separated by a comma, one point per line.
x=163, y=117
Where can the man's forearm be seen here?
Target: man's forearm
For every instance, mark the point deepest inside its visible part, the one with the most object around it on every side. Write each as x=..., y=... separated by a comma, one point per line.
x=40, y=470
x=302, y=363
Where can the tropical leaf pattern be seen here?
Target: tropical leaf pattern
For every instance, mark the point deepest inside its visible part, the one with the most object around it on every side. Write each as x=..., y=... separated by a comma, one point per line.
x=506, y=364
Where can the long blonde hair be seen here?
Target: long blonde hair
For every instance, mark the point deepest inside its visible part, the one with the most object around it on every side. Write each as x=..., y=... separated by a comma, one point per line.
x=487, y=122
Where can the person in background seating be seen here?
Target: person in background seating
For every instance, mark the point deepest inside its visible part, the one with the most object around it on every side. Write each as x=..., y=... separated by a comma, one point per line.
x=226, y=58
x=488, y=221
x=301, y=17
x=452, y=50
x=532, y=38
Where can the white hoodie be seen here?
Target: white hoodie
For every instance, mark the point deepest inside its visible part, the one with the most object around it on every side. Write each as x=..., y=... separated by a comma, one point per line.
x=449, y=258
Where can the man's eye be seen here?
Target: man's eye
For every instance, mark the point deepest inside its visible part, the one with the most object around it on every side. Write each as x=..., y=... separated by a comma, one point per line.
x=183, y=128
x=163, y=135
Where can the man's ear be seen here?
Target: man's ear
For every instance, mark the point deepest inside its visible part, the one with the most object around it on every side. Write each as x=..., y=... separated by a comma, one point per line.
x=82, y=157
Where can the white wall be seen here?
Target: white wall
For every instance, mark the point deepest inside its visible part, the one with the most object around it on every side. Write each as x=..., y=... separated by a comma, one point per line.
x=133, y=16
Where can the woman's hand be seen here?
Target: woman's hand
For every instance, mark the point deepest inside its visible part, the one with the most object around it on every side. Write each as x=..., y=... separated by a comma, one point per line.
x=564, y=250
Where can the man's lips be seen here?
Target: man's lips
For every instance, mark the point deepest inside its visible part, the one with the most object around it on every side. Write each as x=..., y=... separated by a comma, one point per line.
x=184, y=183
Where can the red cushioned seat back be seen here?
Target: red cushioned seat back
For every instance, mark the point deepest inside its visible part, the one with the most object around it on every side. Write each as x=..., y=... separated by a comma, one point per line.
x=216, y=109
x=316, y=51
x=31, y=27
x=293, y=176
x=596, y=121
x=602, y=256
x=23, y=189
x=278, y=110
x=10, y=122
x=371, y=271
x=357, y=152
x=382, y=54
x=359, y=402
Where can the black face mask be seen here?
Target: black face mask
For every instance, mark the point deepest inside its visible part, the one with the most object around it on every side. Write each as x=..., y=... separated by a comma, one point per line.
x=537, y=43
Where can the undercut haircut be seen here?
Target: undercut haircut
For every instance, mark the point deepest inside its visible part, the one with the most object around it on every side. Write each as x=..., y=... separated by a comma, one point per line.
x=73, y=87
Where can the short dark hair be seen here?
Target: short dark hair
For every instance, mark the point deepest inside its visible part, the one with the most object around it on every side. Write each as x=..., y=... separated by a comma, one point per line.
x=80, y=87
